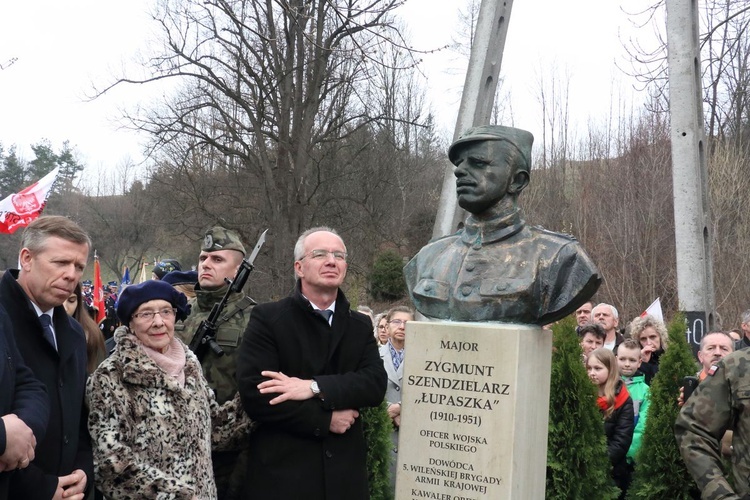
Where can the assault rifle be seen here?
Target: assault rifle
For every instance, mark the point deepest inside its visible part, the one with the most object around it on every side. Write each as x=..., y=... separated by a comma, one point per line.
x=205, y=335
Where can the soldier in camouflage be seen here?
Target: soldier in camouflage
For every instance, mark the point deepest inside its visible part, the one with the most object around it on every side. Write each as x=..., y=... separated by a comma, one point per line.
x=720, y=402
x=221, y=254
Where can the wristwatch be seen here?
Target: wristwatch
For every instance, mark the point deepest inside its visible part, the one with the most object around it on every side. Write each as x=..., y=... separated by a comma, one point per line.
x=315, y=389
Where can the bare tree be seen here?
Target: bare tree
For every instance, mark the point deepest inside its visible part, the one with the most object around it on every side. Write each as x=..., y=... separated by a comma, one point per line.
x=729, y=183
x=265, y=87
x=725, y=47
x=121, y=218
x=619, y=207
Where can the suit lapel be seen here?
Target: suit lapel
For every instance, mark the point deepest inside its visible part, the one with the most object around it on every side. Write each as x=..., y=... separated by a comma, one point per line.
x=62, y=336
x=337, y=329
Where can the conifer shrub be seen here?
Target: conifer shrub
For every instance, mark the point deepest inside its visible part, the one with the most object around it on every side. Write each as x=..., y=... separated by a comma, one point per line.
x=660, y=471
x=387, y=277
x=377, y=428
x=577, y=461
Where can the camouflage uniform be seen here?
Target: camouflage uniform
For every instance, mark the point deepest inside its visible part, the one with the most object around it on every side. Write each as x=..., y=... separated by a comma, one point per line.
x=220, y=372
x=720, y=402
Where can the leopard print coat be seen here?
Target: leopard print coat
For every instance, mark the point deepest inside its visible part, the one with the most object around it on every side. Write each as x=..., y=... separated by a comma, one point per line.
x=152, y=439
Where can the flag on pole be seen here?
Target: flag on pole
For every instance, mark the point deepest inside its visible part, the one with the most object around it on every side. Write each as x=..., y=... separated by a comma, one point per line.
x=125, y=278
x=654, y=310
x=19, y=209
x=143, y=273
x=98, y=294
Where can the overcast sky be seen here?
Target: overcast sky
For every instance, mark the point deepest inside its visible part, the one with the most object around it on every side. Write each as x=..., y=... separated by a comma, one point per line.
x=581, y=39
x=63, y=46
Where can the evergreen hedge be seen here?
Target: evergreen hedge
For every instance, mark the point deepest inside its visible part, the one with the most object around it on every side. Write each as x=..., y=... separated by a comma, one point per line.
x=578, y=465
x=387, y=277
x=377, y=427
x=660, y=471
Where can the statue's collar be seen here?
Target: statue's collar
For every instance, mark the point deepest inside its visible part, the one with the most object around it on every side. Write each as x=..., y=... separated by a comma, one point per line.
x=479, y=232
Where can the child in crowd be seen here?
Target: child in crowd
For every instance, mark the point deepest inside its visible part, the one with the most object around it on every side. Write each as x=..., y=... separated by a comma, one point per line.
x=617, y=409
x=629, y=362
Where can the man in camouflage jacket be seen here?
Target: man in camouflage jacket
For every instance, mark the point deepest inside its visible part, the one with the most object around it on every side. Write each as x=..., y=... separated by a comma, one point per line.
x=221, y=254
x=720, y=402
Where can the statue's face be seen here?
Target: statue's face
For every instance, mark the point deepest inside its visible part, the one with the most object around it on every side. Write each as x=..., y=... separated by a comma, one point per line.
x=483, y=175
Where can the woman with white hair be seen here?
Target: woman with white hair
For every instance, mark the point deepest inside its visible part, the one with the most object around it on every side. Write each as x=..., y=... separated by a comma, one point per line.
x=653, y=338
x=153, y=419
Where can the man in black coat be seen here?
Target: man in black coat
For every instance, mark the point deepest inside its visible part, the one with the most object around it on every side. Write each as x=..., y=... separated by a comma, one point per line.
x=303, y=375
x=52, y=258
x=24, y=408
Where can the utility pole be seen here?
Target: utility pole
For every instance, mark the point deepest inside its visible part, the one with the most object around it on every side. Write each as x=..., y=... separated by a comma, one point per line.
x=477, y=99
x=695, y=280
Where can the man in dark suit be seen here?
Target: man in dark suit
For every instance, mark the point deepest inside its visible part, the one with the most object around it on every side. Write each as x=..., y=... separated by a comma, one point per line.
x=24, y=408
x=306, y=365
x=54, y=251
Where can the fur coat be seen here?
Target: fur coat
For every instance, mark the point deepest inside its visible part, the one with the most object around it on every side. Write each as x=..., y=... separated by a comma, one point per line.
x=152, y=438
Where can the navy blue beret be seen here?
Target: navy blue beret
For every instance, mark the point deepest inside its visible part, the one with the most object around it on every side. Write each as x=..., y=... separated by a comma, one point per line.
x=166, y=266
x=181, y=278
x=135, y=295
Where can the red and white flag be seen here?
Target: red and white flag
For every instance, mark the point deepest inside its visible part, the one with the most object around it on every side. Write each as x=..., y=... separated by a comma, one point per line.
x=654, y=310
x=19, y=209
x=98, y=294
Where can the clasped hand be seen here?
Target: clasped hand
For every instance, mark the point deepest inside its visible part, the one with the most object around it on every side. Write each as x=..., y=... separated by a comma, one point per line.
x=19, y=446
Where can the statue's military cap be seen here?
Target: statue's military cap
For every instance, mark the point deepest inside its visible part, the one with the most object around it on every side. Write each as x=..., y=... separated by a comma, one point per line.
x=220, y=238
x=521, y=139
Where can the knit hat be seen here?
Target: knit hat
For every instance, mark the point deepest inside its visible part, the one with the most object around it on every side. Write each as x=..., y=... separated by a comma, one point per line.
x=135, y=295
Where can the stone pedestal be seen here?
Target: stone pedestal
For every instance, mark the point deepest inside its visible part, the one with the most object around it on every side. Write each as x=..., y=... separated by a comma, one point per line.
x=475, y=409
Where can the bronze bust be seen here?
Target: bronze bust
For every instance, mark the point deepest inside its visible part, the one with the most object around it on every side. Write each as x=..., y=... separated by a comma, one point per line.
x=496, y=268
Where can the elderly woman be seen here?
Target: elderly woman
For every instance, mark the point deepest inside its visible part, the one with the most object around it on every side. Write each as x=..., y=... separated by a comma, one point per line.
x=653, y=338
x=153, y=419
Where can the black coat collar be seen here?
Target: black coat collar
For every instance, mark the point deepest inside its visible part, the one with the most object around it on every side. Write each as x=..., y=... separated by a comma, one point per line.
x=23, y=311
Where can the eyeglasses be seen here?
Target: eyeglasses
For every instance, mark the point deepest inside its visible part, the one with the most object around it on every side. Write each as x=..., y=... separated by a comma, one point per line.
x=320, y=254
x=166, y=313
x=381, y=327
x=398, y=322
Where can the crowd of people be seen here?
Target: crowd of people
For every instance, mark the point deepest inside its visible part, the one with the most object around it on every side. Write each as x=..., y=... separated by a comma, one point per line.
x=622, y=363
x=272, y=413
x=275, y=413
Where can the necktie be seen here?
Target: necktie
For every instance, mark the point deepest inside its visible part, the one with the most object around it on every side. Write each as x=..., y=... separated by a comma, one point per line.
x=47, y=329
x=326, y=314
